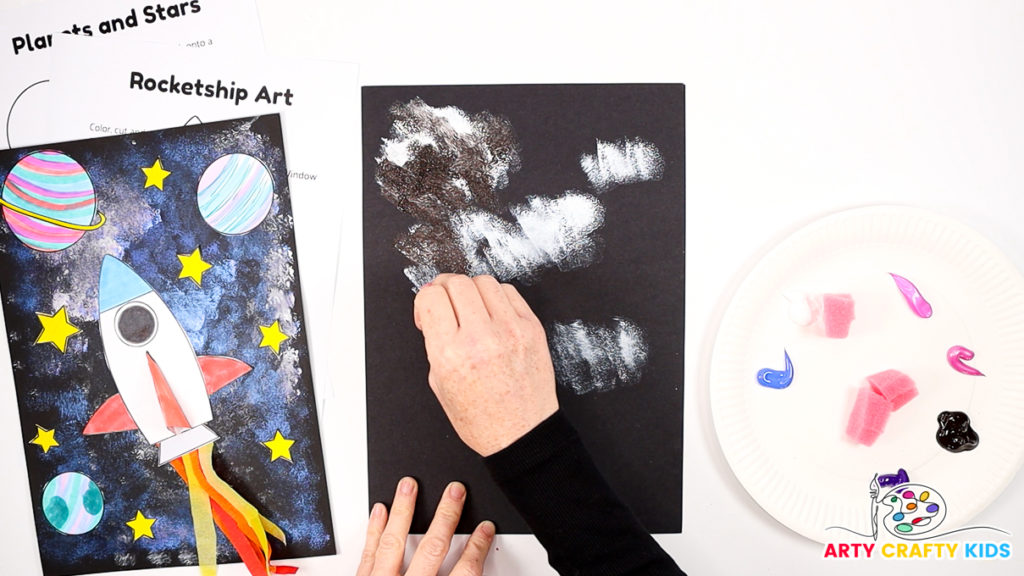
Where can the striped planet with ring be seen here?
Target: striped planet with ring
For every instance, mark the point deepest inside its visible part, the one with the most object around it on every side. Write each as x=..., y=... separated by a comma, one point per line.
x=235, y=194
x=49, y=202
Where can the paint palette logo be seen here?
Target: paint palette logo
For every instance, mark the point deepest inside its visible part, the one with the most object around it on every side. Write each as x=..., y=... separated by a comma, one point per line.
x=908, y=511
x=913, y=511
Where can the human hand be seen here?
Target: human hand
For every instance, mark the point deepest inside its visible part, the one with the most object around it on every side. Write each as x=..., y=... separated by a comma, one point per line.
x=490, y=367
x=385, y=536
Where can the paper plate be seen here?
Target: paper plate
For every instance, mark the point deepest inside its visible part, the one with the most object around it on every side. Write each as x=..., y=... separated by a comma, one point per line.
x=788, y=447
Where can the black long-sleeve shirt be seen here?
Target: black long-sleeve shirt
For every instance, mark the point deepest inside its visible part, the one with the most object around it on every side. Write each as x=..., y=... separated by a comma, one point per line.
x=550, y=478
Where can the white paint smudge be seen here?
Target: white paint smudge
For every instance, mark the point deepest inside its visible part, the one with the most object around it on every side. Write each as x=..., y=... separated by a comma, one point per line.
x=159, y=558
x=128, y=218
x=290, y=373
x=547, y=232
x=625, y=161
x=589, y=357
x=420, y=274
x=448, y=129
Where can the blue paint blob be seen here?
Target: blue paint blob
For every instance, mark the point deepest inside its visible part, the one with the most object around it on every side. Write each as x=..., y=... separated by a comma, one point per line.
x=897, y=516
x=777, y=379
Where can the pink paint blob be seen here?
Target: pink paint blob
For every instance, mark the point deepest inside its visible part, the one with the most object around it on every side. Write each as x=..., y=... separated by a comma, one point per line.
x=915, y=300
x=956, y=356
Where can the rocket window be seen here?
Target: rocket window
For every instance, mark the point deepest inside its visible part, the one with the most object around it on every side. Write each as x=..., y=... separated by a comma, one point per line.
x=136, y=324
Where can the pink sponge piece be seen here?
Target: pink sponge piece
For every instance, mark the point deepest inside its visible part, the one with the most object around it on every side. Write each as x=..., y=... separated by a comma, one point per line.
x=868, y=418
x=836, y=314
x=894, y=386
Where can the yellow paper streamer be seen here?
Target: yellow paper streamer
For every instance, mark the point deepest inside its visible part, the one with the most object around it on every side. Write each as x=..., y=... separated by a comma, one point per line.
x=249, y=512
x=202, y=517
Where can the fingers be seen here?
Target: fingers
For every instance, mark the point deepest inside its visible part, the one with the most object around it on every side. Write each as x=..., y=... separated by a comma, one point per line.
x=391, y=545
x=471, y=563
x=517, y=302
x=378, y=519
x=465, y=298
x=494, y=298
x=434, y=314
x=434, y=547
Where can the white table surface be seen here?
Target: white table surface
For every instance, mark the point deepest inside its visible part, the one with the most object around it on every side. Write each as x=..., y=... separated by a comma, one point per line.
x=794, y=110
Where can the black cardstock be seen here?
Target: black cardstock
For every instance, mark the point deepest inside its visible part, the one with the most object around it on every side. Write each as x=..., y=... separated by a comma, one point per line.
x=635, y=433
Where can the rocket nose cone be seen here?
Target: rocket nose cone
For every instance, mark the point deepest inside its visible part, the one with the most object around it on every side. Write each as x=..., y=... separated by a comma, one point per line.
x=119, y=284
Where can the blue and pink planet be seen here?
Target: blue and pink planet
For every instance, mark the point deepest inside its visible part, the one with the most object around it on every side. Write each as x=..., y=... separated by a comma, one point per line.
x=72, y=503
x=48, y=201
x=235, y=194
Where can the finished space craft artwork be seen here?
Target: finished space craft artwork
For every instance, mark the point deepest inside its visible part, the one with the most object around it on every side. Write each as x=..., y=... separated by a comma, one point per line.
x=574, y=194
x=152, y=303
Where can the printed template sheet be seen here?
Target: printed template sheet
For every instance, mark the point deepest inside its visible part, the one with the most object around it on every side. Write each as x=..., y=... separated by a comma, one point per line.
x=30, y=34
x=123, y=84
x=101, y=88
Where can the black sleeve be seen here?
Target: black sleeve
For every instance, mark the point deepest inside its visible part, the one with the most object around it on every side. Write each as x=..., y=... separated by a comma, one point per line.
x=550, y=478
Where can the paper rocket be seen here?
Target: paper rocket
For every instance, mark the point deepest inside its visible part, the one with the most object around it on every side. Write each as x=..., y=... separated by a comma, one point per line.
x=163, y=387
x=164, y=391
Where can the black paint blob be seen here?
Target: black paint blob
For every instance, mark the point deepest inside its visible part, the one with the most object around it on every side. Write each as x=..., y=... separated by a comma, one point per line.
x=955, y=433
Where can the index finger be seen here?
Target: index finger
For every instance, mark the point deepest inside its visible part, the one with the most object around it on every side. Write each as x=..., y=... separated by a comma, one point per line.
x=433, y=313
x=431, y=552
x=465, y=299
x=391, y=546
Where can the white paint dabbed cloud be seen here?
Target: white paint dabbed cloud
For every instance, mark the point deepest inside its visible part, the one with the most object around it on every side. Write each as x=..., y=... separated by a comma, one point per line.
x=625, y=161
x=444, y=129
x=548, y=232
x=589, y=357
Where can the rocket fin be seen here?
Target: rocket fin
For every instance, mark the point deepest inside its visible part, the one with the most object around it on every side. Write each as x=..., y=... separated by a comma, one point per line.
x=174, y=417
x=112, y=416
x=219, y=371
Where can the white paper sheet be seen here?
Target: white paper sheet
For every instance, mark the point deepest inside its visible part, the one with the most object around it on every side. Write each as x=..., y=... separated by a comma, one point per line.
x=102, y=88
x=31, y=34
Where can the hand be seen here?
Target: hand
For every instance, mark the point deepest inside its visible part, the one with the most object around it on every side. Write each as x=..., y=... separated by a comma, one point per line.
x=385, y=537
x=490, y=367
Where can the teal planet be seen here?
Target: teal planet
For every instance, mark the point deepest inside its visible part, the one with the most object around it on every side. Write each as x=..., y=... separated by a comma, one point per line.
x=72, y=503
x=235, y=194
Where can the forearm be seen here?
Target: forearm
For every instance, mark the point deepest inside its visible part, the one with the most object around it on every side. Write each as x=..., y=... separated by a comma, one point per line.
x=550, y=478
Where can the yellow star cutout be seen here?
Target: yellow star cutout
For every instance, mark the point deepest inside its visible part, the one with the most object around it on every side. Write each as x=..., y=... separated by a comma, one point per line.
x=280, y=447
x=56, y=329
x=155, y=175
x=193, y=266
x=272, y=336
x=141, y=526
x=44, y=439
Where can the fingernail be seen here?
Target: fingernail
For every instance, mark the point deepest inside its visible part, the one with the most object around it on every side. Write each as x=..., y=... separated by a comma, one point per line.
x=456, y=490
x=425, y=285
x=487, y=528
x=377, y=511
x=406, y=486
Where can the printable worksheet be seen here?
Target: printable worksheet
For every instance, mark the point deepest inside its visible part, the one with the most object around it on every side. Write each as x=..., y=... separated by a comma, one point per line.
x=100, y=88
x=30, y=35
